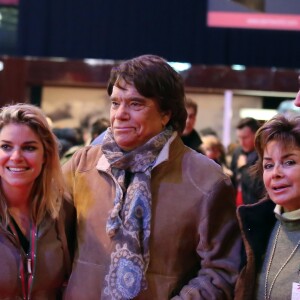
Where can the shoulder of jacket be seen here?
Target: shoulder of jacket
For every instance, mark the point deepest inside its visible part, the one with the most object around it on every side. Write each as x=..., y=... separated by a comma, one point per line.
x=86, y=158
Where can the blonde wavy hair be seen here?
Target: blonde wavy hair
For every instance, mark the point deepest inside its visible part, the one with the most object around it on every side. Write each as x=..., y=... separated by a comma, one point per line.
x=48, y=189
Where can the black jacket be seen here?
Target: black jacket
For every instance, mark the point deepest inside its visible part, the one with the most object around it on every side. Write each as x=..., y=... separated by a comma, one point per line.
x=252, y=187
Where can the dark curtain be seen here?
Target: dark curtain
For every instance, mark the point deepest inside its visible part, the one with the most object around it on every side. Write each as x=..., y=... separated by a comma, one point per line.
x=120, y=29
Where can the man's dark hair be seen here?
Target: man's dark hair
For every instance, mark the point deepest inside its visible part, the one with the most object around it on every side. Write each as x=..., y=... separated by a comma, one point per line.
x=190, y=103
x=98, y=126
x=252, y=123
x=153, y=77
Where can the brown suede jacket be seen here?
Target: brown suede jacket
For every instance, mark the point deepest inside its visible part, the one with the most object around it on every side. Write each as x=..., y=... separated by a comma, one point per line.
x=52, y=263
x=195, y=241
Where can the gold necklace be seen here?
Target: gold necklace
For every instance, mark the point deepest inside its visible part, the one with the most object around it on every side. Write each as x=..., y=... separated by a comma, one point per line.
x=267, y=295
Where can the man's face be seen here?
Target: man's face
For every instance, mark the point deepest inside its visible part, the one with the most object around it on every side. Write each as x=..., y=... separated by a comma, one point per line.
x=190, y=121
x=246, y=138
x=134, y=118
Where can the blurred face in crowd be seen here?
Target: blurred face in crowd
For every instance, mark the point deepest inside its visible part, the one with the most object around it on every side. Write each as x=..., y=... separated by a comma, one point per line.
x=246, y=138
x=21, y=157
x=211, y=152
x=211, y=147
x=134, y=118
x=190, y=121
x=297, y=100
x=281, y=174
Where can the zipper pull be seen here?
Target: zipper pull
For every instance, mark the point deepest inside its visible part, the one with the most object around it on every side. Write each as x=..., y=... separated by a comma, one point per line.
x=29, y=269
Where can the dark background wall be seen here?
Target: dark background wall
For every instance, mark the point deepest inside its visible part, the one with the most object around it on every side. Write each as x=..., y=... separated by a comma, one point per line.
x=120, y=29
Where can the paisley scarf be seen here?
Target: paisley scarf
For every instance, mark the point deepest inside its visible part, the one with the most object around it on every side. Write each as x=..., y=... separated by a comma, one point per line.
x=129, y=220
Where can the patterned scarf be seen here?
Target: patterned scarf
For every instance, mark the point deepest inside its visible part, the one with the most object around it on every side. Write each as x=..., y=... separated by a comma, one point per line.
x=129, y=220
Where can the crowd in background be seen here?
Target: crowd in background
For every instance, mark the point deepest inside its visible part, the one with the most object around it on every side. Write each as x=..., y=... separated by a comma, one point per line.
x=236, y=159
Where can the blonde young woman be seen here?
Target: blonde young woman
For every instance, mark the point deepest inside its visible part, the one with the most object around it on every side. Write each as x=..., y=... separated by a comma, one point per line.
x=34, y=255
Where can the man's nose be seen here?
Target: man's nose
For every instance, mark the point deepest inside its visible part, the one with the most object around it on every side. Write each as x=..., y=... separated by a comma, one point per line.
x=122, y=111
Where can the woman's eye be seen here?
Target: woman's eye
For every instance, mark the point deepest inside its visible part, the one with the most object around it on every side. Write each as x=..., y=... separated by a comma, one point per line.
x=268, y=166
x=6, y=147
x=289, y=163
x=29, y=148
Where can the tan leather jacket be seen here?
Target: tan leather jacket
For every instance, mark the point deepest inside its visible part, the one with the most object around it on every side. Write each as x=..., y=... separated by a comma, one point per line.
x=195, y=241
x=52, y=262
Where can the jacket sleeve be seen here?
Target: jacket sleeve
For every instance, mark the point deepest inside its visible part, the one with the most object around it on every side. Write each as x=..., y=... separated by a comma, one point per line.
x=74, y=165
x=218, y=248
x=69, y=169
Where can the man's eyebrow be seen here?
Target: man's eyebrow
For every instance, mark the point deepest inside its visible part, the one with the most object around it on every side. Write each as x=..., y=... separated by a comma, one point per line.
x=134, y=98
x=137, y=99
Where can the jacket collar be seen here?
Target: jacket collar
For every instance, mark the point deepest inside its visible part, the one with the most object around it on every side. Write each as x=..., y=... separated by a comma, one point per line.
x=103, y=164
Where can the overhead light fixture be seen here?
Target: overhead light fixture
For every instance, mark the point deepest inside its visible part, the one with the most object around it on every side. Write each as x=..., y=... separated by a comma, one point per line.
x=179, y=66
x=96, y=62
x=238, y=67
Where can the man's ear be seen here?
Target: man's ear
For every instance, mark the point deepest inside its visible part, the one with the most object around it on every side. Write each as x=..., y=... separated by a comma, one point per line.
x=166, y=116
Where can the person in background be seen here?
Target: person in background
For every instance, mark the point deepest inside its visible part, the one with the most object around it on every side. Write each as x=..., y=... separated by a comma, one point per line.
x=230, y=150
x=156, y=220
x=67, y=137
x=97, y=127
x=34, y=253
x=271, y=227
x=207, y=131
x=249, y=189
x=213, y=148
x=91, y=132
x=297, y=99
x=189, y=136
